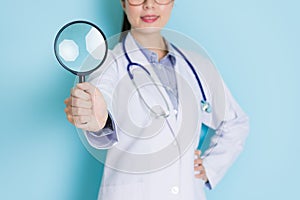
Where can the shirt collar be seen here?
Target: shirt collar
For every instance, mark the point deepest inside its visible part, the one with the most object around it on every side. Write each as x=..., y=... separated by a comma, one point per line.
x=152, y=56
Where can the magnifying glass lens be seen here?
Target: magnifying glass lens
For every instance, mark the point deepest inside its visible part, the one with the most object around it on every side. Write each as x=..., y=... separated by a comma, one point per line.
x=80, y=47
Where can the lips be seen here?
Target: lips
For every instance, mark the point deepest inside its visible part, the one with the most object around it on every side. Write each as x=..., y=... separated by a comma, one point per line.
x=149, y=18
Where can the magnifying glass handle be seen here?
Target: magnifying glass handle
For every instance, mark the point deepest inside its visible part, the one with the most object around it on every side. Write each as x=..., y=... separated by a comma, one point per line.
x=81, y=79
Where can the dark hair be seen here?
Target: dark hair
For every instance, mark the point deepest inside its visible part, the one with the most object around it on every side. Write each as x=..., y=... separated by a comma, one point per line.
x=125, y=27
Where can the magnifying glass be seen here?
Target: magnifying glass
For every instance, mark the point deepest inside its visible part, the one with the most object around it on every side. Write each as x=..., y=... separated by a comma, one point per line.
x=81, y=48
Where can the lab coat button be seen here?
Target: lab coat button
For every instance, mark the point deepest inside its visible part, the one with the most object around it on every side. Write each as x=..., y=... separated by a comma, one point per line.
x=175, y=190
x=175, y=111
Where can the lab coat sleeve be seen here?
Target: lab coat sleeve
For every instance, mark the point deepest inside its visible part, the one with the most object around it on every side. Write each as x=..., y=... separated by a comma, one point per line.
x=105, y=79
x=104, y=138
x=227, y=142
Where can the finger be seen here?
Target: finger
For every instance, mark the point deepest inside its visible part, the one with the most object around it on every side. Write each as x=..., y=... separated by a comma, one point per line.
x=67, y=101
x=81, y=111
x=70, y=119
x=200, y=176
x=67, y=110
x=83, y=126
x=197, y=152
x=198, y=161
x=199, y=168
x=79, y=93
x=90, y=89
x=80, y=120
x=86, y=127
x=87, y=87
x=81, y=103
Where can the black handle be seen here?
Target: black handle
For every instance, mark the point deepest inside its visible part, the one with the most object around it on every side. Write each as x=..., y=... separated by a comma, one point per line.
x=81, y=79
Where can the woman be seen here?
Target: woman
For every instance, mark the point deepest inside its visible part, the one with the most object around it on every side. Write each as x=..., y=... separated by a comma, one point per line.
x=150, y=156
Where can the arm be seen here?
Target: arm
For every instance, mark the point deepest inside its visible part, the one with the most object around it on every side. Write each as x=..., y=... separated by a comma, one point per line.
x=228, y=141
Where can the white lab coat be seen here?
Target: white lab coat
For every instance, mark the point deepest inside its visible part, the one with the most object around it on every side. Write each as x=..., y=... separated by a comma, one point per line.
x=170, y=179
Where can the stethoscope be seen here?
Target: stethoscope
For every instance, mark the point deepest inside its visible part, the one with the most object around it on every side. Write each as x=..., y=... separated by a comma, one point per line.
x=205, y=105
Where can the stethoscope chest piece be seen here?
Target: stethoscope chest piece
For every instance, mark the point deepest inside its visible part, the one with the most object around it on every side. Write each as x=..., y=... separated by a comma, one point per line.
x=205, y=106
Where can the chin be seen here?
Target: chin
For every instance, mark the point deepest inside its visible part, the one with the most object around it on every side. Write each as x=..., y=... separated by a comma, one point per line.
x=148, y=30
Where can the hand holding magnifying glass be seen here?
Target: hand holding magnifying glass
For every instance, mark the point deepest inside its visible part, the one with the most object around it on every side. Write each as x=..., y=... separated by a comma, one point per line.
x=81, y=48
x=86, y=108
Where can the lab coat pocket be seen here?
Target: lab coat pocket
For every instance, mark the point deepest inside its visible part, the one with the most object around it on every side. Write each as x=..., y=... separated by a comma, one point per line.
x=128, y=191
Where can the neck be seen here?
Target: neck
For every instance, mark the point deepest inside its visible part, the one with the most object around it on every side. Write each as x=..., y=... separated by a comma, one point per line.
x=152, y=41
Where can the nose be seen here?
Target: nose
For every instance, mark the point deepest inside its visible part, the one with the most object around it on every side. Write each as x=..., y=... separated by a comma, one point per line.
x=149, y=4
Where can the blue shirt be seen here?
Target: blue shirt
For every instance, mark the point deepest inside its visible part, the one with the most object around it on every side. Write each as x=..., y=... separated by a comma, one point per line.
x=165, y=71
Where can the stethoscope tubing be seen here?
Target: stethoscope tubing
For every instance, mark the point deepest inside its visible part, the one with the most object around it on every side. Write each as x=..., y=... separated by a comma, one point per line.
x=204, y=104
x=193, y=70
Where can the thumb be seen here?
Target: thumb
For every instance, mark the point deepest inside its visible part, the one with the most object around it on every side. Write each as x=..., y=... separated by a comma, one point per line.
x=198, y=152
x=87, y=87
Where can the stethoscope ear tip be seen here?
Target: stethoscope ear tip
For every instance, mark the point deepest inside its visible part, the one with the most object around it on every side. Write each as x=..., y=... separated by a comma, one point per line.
x=205, y=106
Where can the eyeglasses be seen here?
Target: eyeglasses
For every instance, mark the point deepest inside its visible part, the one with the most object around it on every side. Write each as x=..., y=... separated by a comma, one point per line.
x=140, y=2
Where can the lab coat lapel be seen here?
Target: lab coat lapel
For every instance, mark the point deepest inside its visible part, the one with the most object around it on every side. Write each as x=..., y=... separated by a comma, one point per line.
x=189, y=115
x=211, y=83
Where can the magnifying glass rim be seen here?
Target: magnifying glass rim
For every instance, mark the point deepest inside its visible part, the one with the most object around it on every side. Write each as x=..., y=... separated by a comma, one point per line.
x=58, y=57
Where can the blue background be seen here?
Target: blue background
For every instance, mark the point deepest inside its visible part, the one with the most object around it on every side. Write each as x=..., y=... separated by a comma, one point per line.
x=255, y=45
